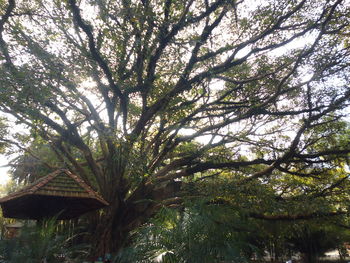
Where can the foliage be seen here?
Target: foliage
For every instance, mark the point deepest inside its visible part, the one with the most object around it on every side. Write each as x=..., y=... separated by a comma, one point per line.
x=35, y=162
x=313, y=240
x=285, y=215
x=141, y=98
x=39, y=243
x=3, y=132
x=199, y=233
x=208, y=232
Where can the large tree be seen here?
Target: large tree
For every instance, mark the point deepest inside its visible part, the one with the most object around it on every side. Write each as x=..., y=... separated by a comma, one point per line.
x=141, y=97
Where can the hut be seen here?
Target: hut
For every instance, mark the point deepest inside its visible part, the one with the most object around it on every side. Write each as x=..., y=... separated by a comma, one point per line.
x=61, y=193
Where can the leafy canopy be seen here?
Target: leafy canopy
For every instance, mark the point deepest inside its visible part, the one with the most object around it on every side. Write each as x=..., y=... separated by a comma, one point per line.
x=141, y=97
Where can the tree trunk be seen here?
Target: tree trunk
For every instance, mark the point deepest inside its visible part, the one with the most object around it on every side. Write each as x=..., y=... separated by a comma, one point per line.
x=112, y=227
x=101, y=236
x=110, y=231
x=309, y=258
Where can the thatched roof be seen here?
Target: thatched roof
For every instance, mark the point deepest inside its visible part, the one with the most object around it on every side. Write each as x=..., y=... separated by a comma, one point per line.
x=59, y=193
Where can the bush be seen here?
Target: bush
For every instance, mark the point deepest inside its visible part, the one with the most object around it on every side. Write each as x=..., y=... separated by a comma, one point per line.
x=41, y=243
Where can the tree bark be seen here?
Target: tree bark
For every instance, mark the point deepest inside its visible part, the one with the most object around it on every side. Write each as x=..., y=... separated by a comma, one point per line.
x=107, y=234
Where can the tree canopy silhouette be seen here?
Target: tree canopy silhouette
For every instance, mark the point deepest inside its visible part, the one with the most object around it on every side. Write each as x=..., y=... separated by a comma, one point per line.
x=142, y=97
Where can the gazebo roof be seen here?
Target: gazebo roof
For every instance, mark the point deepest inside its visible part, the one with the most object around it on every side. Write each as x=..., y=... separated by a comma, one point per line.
x=60, y=194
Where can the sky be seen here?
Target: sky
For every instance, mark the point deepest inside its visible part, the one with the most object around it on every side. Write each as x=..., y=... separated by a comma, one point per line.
x=3, y=170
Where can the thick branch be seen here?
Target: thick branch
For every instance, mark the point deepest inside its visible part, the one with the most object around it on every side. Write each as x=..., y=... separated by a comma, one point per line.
x=3, y=46
x=98, y=58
